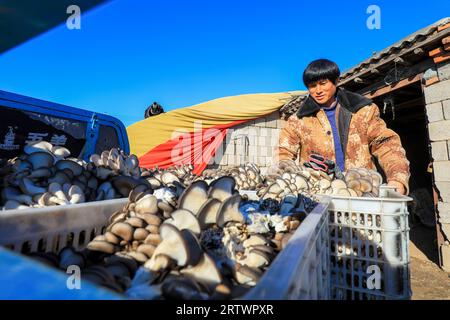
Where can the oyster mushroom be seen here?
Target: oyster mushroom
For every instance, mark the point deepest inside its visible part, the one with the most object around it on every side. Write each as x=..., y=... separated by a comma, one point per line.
x=194, y=197
x=71, y=165
x=27, y=187
x=208, y=213
x=101, y=246
x=76, y=195
x=205, y=272
x=124, y=184
x=11, y=193
x=181, y=246
x=39, y=146
x=147, y=204
x=257, y=259
x=229, y=211
x=184, y=219
x=255, y=240
x=60, y=152
x=123, y=230
x=247, y=275
x=222, y=188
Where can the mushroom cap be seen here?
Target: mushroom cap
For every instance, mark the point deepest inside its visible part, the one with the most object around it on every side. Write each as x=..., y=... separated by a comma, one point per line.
x=181, y=246
x=40, y=160
x=138, y=192
x=111, y=237
x=123, y=230
x=222, y=188
x=60, y=151
x=101, y=246
x=208, y=213
x=154, y=239
x=28, y=187
x=205, y=271
x=352, y=175
x=229, y=211
x=194, y=197
x=366, y=185
x=124, y=184
x=256, y=259
x=151, y=219
x=247, y=275
x=147, y=204
x=169, y=177
x=255, y=240
x=136, y=222
x=184, y=219
x=71, y=165
x=140, y=234
x=39, y=146
x=147, y=249
x=338, y=184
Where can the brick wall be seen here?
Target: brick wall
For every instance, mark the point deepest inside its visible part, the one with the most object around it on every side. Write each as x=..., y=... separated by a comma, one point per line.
x=253, y=141
x=437, y=98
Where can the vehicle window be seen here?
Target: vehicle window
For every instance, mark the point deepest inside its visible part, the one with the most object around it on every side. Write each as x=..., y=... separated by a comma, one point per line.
x=107, y=139
x=18, y=128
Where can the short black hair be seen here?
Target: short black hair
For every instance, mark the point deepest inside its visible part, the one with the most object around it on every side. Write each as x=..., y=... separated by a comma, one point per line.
x=319, y=70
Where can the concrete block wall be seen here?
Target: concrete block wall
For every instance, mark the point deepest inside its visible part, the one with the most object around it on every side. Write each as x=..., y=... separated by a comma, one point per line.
x=437, y=98
x=253, y=141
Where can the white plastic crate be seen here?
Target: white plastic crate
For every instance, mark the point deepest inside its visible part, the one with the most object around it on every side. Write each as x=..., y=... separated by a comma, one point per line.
x=51, y=229
x=302, y=269
x=368, y=235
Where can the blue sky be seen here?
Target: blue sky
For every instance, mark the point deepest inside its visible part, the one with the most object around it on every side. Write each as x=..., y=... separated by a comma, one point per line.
x=130, y=53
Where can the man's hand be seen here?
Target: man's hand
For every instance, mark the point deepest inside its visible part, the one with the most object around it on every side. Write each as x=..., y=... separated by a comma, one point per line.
x=398, y=186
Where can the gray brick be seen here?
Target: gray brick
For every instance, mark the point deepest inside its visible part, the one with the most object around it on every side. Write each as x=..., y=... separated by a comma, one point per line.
x=441, y=170
x=253, y=131
x=444, y=190
x=445, y=254
x=439, y=151
x=264, y=132
x=439, y=130
x=446, y=107
x=437, y=92
x=448, y=148
x=434, y=112
x=443, y=71
x=444, y=212
x=262, y=151
x=262, y=141
x=271, y=123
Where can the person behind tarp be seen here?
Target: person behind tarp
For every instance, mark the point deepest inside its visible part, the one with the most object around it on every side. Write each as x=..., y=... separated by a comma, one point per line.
x=153, y=110
x=342, y=126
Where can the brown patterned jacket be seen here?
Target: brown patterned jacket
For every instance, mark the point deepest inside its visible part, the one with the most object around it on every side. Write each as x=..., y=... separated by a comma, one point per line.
x=362, y=132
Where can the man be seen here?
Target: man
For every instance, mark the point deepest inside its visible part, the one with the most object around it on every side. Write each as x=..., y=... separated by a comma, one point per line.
x=342, y=126
x=153, y=110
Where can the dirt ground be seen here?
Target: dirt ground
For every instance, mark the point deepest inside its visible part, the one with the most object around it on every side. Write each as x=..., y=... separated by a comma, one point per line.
x=428, y=281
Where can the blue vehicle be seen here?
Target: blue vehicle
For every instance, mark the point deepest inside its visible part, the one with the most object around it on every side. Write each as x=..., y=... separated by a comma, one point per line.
x=25, y=120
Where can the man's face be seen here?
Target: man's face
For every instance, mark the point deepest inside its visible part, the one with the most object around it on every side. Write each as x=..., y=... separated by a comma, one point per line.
x=322, y=91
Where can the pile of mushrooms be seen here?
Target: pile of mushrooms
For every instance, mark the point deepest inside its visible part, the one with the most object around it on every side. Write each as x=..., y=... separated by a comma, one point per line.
x=247, y=176
x=45, y=175
x=358, y=182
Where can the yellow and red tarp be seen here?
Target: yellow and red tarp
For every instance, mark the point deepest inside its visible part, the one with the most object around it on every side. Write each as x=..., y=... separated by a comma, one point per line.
x=192, y=135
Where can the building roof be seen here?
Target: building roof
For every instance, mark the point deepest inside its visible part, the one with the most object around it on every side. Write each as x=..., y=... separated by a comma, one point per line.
x=409, y=45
